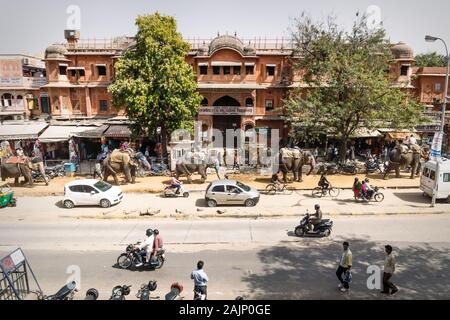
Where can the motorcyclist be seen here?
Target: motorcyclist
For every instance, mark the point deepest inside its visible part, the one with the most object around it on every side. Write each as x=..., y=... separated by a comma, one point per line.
x=315, y=218
x=145, y=247
x=367, y=189
x=157, y=244
x=175, y=183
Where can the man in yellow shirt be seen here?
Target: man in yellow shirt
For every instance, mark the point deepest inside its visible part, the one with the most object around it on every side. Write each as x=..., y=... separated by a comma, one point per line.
x=344, y=266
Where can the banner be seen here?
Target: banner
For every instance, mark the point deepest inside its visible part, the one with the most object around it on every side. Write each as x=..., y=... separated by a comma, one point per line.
x=436, y=146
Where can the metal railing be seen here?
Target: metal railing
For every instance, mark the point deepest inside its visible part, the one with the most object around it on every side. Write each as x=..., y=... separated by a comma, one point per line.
x=259, y=43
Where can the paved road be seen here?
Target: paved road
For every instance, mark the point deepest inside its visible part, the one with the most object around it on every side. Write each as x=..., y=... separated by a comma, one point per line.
x=396, y=201
x=256, y=258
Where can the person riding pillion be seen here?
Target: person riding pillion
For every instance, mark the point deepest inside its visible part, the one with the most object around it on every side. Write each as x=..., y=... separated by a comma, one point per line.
x=146, y=246
x=157, y=244
x=315, y=218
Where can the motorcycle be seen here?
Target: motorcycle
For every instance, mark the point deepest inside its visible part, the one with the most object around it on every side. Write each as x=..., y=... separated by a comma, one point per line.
x=175, y=291
x=375, y=195
x=170, y=192
x=328, y=168
x=375, y=165
x=91, y=294
x=144, y=291
x=130, y=258
x=119, y=292
x=322, y=229
x=347, y=168
x=37, y=177
x=65, y=293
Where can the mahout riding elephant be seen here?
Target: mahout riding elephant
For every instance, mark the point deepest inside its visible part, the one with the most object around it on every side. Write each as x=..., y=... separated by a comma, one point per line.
x=119, y=161
x=194, y=162
x=401, y=156
x=293, y=160
x=15, y=167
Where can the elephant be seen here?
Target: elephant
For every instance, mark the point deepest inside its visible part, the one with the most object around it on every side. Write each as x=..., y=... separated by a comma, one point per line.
x=193, y=162
x=15, y=167
x=120, y=161
x=293, y=159
x=402, y=156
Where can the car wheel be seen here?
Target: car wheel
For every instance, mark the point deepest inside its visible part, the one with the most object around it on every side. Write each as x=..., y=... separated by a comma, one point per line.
x=105, y=203
x=212, y=203
x=250, y=203
x=68, y=204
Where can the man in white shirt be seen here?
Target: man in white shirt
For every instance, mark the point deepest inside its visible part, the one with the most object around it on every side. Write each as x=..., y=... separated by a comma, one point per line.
x=200, y=279
x=389, y=269
x=412, y=140
x=147, y=245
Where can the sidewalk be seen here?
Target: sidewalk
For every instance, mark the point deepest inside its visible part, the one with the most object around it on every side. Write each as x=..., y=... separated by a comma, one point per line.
x=156, y=184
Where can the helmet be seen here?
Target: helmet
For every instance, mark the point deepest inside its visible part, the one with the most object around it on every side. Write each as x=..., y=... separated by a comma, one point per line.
x=152, y=285
x=317, y=207
x=149, y=232
x=156, y=232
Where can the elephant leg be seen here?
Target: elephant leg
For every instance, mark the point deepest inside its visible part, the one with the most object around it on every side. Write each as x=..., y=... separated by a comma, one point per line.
x=133, y=175
x=299, y=174
x=16, y=181
x=127, y=173
x=387, y=171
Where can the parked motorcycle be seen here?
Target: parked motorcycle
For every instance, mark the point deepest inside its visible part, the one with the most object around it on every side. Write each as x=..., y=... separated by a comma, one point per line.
x=65, y=293
x=328, y=168
x=347, y=168
x=91, y=294
x=322, y=229
x=146, y=289
x=175, y=291
x=375, y=165
x=119, y=292
x=170, y=192
x=37, y=177
x=374, y=195
x=130, y=258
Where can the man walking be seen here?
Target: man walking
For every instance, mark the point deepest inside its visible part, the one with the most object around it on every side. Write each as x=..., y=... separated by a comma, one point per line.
x=200, y=279
x=344, y=267
x=389, y=268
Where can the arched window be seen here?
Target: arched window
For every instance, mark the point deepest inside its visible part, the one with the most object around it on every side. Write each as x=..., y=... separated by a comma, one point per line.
x=204, y=102
x=227, y=101
x=6, y=99
x=249, y=102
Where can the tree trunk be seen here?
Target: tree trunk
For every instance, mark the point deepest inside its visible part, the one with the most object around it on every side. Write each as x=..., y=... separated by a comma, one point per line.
x=343, y=148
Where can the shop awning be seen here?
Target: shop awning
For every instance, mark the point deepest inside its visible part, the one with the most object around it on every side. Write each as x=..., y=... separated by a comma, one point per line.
x=61, y=133
x=226, y=63
x=22, y=131
x=366, y=133
x=95, y=133
x=401, y=135
x=117, y=131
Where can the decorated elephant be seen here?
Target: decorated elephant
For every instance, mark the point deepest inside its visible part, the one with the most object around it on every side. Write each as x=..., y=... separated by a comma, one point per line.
x=191, y=163
x=293, y=160
x=121, y=161
x=15, y=167
x=402, y=156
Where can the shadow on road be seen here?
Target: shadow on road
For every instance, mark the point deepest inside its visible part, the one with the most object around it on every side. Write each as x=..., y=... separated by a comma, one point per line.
x=414, y=197
x=307, y=271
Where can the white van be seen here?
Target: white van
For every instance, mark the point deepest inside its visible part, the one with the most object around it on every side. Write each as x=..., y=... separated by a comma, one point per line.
x=428, y=179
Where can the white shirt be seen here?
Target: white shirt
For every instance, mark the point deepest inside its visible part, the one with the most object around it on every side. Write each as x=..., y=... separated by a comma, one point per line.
x=412, y=140
x=147, y=244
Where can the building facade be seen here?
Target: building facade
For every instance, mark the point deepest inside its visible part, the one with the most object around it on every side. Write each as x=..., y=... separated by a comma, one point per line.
x=21, y=78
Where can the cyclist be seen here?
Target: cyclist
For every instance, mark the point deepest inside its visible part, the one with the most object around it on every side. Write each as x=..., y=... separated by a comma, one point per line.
x=323, y=182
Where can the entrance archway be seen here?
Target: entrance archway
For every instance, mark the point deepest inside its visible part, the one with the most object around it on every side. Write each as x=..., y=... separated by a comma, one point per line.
x=226, y=101
x=224, y=122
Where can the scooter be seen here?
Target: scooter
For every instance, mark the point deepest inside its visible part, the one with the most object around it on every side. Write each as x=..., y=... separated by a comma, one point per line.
x=175, y=291
x=130, y=258
x=322, y=229
x=119, y=292
x=144, y=291
x=170, y=192
x=375, y=195
x=65, y=293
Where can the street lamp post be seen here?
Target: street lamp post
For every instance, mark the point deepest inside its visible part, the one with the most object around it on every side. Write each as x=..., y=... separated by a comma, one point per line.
x=429, y=38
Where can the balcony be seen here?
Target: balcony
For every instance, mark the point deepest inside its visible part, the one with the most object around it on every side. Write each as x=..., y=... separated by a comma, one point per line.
x=23, y=82
x=227, y=111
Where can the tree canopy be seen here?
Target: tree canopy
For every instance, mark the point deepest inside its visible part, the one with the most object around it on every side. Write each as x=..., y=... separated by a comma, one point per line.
x=431, y=59
x=153, y=81
x=347, y=80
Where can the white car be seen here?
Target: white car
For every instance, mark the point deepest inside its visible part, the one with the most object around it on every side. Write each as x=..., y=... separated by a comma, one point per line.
x=90, y=192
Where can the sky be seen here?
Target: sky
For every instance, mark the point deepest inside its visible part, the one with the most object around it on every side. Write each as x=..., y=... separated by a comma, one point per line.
x=29, y=26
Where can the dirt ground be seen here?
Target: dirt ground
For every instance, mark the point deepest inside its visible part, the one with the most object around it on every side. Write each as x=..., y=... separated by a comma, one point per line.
x=156, y=184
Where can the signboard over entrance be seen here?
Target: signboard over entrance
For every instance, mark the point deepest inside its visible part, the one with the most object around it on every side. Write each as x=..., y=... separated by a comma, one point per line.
x=227, y=111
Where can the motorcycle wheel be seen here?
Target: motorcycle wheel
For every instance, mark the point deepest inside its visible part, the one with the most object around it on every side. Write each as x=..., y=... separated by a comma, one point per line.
x=124, y=261
x=186, y=195
x=299, y=232
x=161, y=263
x=327, y=233
x=378, y=197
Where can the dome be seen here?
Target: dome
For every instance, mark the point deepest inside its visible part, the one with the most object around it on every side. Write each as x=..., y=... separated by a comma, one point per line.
x=55, y=51
x=250, y=49
x=402, y=51
x=226, y=42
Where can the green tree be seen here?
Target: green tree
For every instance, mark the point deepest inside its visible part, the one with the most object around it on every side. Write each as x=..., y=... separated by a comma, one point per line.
x=153, y=81
x=347, y=81
x=431, y=59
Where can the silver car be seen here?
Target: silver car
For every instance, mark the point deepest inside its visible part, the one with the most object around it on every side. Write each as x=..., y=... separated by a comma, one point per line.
x=231, y=192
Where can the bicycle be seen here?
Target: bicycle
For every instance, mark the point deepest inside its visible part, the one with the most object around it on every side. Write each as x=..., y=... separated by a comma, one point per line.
x=320, y=192
x=273, y=188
